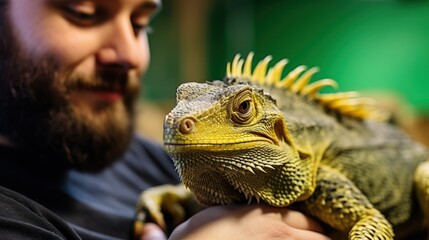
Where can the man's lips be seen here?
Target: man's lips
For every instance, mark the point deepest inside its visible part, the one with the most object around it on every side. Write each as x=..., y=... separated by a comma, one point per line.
x=97, y=95
x=106, y=95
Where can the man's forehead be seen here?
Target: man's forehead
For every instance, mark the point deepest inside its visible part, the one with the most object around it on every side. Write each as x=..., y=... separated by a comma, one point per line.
x=149, y=4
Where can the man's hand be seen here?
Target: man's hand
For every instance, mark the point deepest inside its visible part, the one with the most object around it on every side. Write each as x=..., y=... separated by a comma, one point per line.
x=249, y=222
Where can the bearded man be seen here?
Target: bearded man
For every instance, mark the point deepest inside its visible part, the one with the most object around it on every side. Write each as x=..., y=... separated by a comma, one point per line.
x=70, y=165
x=69, y=79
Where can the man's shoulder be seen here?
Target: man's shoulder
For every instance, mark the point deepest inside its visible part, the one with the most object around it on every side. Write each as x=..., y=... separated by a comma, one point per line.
x=147, y=158
x=22, y=218
x=148, y=153
x=115, y=189
x=149, y=145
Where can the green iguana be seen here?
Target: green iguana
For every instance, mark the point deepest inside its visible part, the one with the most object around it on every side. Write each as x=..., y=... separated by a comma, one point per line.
x=257, y=137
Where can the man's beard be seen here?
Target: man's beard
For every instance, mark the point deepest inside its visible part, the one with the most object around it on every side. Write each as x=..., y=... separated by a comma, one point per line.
x=37, y=116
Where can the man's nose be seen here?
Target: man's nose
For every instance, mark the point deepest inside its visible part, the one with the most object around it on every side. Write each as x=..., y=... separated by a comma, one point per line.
x=122, y=46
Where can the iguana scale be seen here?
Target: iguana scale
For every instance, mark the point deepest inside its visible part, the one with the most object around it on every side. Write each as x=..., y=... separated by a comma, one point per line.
x=257, y=137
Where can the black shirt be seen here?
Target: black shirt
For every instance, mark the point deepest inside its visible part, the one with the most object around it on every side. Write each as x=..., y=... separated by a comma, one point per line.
x=96, y=205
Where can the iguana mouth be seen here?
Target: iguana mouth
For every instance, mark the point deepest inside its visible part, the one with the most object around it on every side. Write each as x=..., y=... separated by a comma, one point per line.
x=216, y=146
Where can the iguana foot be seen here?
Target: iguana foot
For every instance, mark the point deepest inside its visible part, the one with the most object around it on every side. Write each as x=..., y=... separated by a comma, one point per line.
x=339, y=203
x=374, y=227
x=421, y=181
x=167, y=206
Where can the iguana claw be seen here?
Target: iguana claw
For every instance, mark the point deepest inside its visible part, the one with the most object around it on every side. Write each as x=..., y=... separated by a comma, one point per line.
x=166, y=205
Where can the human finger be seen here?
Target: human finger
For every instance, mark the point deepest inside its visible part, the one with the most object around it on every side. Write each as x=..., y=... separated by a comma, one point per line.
x=292, y=218
x=299, y=220
x=152, y=232
x=307, y=234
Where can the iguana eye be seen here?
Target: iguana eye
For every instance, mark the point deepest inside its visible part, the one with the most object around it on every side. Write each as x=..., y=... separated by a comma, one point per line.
x=243, y=109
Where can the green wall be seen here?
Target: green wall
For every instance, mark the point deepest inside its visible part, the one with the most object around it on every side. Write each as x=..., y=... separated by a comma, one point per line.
x=364, y=45
x=162, y=77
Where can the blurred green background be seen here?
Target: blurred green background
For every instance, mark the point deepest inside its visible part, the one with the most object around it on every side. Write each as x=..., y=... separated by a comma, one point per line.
x=368, y=45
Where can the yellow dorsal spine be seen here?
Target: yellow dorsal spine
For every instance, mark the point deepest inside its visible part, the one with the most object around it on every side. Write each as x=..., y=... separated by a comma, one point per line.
x=298, y=81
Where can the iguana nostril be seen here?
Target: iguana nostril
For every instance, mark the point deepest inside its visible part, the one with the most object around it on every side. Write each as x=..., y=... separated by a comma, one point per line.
x=186, y=126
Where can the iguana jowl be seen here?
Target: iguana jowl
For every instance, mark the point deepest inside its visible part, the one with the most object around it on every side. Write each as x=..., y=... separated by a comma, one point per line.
x=255, y=136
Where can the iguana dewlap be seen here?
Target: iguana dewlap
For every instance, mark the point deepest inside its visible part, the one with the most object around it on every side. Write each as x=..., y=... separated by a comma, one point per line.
x=258, y=137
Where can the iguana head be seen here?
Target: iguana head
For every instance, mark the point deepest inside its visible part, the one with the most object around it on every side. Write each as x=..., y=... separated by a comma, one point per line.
x=230, y=144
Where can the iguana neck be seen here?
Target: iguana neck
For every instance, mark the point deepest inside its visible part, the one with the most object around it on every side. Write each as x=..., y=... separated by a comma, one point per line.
x=306, y=120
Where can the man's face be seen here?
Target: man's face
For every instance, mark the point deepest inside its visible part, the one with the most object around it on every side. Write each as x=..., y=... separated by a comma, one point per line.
x=73, y=76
